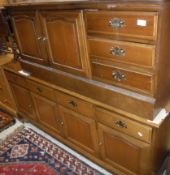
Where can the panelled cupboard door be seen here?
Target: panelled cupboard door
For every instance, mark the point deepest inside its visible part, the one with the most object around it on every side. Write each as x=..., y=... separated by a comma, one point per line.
x=29, y=37
x=47, y=113
x=124, y=152
x=23, y=101
x=66, y=41
x=79, y=130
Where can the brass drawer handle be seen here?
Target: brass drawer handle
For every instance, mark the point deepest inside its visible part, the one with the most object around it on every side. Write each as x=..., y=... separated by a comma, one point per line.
x=119, y=76
x=120, y=124
x=39, y=89
x=72, y=103
x=117, y=51
x=39, y=38
x=116, y=23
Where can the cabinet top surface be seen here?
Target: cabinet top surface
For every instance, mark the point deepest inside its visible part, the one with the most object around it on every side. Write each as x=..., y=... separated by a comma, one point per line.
x=77, y=2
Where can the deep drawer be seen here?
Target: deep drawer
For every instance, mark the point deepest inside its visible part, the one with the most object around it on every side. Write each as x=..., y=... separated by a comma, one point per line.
x=123, y=78
x=141, y=25
x=75, y=104
x=117, y=51
x=124, y=125
x=41, y=89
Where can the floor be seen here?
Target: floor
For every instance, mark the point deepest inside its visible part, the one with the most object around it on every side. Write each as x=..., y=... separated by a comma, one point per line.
x=18, y=125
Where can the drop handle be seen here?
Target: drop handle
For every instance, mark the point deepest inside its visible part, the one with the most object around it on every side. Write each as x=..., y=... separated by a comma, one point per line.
x=119, y=76
x=39, y=38
x=117, y=51
x=44, y=38
x=72, y=103
x=100, y=143
x=120, y=124
x=116, y=23
x=39, y=89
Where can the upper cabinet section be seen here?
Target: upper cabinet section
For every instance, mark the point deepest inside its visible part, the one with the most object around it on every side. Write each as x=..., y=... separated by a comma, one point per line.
x=65, y=35
x=28, y=36
x=53, y=37
x=130, y=25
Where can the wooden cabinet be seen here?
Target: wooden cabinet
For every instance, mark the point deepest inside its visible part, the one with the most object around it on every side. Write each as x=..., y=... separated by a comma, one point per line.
x=123, y=151
x=47, y=112
x=28, y=36
x=102, y=81
x=23, y=101
x=66, y=40
x=79, y=130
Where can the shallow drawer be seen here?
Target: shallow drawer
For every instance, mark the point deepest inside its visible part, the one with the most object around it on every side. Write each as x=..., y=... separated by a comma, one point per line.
x=41, y=89
x=130, y=24
x=124, y=125
x=121, y=77
x=75, y=104
x=17, y=79
x=132, y=53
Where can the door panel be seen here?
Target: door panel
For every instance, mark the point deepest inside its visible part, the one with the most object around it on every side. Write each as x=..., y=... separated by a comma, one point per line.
x=123, y=151
x=66, y=41
x=79, y=130
x=47, y=113
x=29, y=36
x=24, y=101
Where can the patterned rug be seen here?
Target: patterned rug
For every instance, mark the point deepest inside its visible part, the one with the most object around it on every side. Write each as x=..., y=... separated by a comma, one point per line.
x=6, y=120
x=29, y=153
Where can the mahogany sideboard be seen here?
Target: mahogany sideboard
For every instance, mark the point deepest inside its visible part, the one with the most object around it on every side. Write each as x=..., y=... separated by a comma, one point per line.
x=96, y=76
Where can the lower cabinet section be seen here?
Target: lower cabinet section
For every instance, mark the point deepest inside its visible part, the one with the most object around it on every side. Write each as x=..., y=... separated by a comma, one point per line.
x=119, y=144
x=80, y=130
x=123, y=151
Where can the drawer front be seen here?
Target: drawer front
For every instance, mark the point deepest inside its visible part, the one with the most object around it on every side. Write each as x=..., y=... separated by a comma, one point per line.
x=117, y=51
x=17, y=79
x=41, y=89
x=75, y=104
x=141, y=25
x=123, y=78
x=124, y=125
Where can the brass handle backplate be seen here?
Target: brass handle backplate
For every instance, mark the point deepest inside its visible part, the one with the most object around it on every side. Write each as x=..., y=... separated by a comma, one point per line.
x=39, y=89
x=116, y=23
x=119, y=76
x=117, y=51
x=120, y=124
x=72, y=103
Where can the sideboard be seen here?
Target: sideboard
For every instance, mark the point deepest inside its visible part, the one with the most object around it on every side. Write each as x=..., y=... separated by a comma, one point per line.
x=96, y=76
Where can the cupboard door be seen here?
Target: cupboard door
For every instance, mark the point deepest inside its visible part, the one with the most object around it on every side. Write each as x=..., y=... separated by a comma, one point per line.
x=47, y=113
x=123, y=152
x=29, y=37
x=66, y=41
x=79, y=130
x=23, y=101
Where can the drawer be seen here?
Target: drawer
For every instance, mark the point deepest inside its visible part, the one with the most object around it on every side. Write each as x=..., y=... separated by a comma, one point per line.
x=118, y=51
x=17, y=79
x=124, y=125
x=41, y=89
x=142, y=25
x=122, y=77
x=75, y=104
